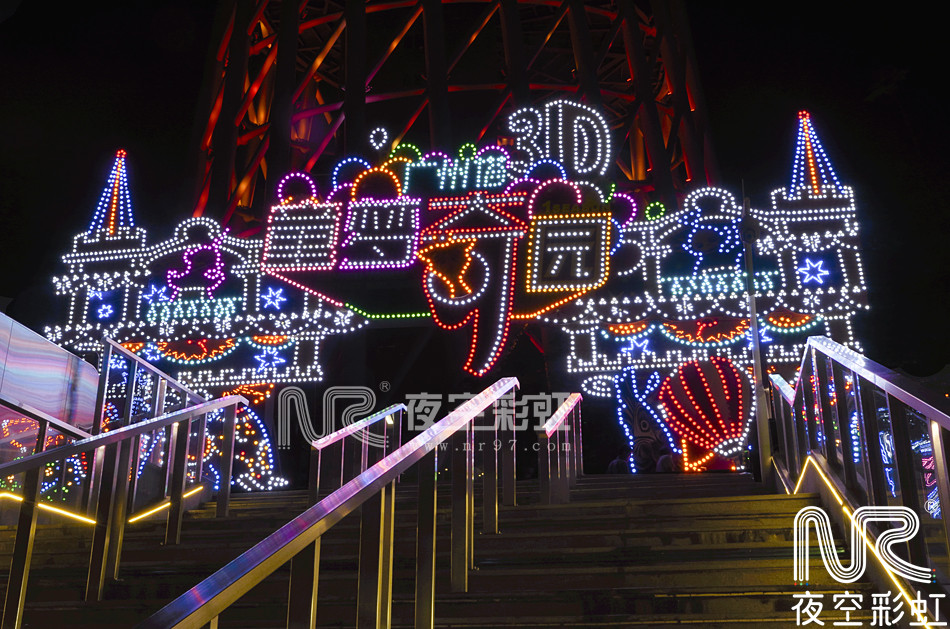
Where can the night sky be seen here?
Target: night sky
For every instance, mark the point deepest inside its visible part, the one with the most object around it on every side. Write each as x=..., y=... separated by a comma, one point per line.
x=79, y=82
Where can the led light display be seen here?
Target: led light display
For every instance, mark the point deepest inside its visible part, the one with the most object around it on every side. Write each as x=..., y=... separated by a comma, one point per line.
x=706, y=403
x=475, y=242
x=686, y=284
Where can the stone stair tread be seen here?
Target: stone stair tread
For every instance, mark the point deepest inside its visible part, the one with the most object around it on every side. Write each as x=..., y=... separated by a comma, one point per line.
x=617, y=546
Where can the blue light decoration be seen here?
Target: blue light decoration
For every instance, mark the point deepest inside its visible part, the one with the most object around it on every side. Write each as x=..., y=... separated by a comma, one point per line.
x=151, y=352
x=691, y=302
x=273, y=298
x=855, y=429
x=269, y=359
x=117, y=363
x=648, y=435
x=886, y=442
x=475, y=241
x=114, y=211
x=104, y=312
x=813, y=271
x=156, y=293
x=709, y=237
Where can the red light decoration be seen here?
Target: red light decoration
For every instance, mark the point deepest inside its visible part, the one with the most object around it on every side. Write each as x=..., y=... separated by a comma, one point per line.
x=470, y=259
x=715, y=330
x=256, y=393
x=195, y=349
x=705, y=404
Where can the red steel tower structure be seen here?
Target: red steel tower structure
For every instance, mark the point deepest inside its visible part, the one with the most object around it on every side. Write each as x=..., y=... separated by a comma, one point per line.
x=295, y=85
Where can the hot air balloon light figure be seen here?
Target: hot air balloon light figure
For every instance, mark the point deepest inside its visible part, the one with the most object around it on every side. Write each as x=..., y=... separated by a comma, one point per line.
x=707, y=405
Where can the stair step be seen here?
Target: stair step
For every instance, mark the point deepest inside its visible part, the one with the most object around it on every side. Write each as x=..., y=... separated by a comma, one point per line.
x=625, y=552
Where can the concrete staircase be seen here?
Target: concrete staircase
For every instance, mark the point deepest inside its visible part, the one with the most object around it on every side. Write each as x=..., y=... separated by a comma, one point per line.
x=708, y=550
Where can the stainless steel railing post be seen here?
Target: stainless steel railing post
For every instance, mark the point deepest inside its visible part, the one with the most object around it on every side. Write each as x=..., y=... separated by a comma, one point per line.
x=425, y=540
x=227, y=462
x=102, y=534
x=460, y=545
x=22, y=552
x=179, y=476
x=488, y=443
x=304, y=581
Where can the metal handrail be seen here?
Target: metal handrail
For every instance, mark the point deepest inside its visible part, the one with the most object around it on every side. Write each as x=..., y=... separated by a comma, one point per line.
x=866, y=430
x=204, y=602
x=316, y=477
x=559, y=416
x=109, y=488
x=783, y=387
x=112, y=437
x=39, y=416
x=144, y=364
x=355, y=427
x=908, y=391
x=558, y=476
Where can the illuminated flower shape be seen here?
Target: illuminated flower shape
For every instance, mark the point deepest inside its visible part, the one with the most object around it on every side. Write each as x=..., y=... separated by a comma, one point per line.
x=706, y=403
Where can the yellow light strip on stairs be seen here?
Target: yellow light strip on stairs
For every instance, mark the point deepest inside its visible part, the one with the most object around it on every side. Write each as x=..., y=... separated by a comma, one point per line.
x=164, y=505
x=48, y=507
x=867, y=541
x=781, y=477
x=81, y=518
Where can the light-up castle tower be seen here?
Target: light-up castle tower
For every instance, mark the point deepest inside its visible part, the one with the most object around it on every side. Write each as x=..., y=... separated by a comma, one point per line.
x=654, y=301
x=102, y=267
x=197, y=305
x=684, y=306
x=815, y=236
x=190, y=301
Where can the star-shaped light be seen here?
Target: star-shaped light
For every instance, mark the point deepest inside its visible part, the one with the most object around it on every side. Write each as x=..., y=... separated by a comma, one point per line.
x=269, y=359
x=635, y=346
x=274, y=298
x=105, y=311
x=151, y=352
x=813, y=272
x=155, y=294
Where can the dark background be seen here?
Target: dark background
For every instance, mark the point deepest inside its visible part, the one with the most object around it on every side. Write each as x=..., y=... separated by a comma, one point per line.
x=78, y=82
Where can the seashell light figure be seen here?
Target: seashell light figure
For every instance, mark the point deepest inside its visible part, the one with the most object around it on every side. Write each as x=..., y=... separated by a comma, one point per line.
x=707, y=404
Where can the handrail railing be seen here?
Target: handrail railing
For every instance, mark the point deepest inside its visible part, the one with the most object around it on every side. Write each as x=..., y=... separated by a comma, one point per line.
x=22, y=408
x=162, y=384
x=366, y=422
x=556, y=478
x=41, y=459
x=113, y=346
x=299, y=540
x=878, y=439
x=113, y=452
x=362, y=429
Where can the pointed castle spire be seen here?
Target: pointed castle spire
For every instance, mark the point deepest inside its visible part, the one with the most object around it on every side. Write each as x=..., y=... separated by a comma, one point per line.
x=112, y=233
x=812, y=169
x=114, y=212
